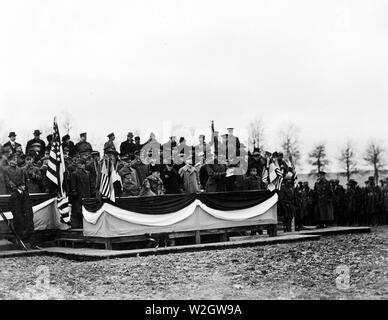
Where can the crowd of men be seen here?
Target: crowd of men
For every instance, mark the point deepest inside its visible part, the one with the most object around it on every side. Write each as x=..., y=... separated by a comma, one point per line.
x=150, y=168
x=328, y=202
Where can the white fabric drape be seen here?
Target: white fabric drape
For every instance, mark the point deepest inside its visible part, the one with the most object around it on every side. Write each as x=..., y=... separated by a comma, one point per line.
x=175, y=217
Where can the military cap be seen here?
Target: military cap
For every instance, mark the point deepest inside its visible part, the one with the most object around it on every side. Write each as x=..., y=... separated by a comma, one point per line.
x=83, y=134
x=130, y=134
x=111, y=135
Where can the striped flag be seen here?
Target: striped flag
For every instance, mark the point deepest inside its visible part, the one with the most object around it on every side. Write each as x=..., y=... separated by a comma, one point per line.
x=105, y=181
x=272, y=176
x=56, y=173
x=109, y=176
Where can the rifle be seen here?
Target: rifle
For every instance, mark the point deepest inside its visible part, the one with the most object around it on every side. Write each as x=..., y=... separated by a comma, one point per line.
x=10, y=226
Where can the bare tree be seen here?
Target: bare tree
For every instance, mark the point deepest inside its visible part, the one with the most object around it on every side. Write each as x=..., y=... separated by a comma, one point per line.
x=374, y=156
x=347, y=159
x=318, y=157
x=290, y=143
x=256, y=133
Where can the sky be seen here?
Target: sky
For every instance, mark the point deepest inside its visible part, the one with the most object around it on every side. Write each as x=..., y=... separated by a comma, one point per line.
x=147, y=65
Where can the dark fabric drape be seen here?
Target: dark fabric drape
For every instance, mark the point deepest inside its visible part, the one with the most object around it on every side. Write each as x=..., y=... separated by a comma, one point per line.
x=163, y=204
x=35, y=199
x=147, y=205
x=228, y=201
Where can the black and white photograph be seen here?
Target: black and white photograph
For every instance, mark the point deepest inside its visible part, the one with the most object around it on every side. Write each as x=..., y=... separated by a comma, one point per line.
x=177, y=152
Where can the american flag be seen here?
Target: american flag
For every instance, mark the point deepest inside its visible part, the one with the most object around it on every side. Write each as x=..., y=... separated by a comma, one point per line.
x=105, y=181
x=272, y=175
x=56, y=173
x=109, y=176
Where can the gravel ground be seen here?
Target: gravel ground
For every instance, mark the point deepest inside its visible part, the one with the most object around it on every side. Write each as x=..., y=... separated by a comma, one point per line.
x=305, y=270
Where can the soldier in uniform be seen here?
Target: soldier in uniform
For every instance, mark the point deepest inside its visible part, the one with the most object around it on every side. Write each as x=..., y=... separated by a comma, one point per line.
x=372, y=202
x=216, y=173
x=34, y=175
x=12, y=145
x=81, y=187
x=287, y=202
x=20, y=202
x=339, y=202
x=109, y=145
x=83, y=146
x=130, y=180
x=35, y=140
x=323, y=201
x=353, y=200
x=127, y=147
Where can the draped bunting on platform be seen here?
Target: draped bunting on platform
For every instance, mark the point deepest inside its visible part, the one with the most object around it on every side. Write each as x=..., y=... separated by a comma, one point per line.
x=262, y=206
x=226, y=201
x=46, y=216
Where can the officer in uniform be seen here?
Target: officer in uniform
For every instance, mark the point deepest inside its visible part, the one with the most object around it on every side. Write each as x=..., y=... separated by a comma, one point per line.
x=287, y=202
x=323, y=198
x=20, y=202
x=83, y=146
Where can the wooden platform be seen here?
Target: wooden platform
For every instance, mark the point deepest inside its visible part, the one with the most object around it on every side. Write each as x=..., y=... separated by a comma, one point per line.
x=98, y=254
x=334, y=231
x=74, y=238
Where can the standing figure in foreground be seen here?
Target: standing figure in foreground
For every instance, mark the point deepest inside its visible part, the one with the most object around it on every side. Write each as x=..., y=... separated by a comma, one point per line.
x=20, y=202
x=323, y=198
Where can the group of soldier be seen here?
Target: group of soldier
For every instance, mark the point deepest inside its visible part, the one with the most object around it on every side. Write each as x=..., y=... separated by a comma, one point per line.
x=151, y=168
x=328, y=202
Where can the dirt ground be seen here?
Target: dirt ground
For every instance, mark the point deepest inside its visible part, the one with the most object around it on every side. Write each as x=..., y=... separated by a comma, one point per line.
x=337, y=267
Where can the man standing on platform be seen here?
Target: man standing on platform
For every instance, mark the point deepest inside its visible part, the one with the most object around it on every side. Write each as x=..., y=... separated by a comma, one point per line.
x=20, y=202
x=287, y=202
x=109, y=146
x=323, y=195
x=81, y=186
x=12, y=145
x=36, y=139
x=127, y=148
x=83, y=146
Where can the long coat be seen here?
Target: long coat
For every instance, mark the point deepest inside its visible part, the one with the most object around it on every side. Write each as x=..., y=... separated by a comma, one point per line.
x=80, y=187
x=372, y=200
x=190, y=178
x=323, y=194
x=216, y=177
x=353, y=201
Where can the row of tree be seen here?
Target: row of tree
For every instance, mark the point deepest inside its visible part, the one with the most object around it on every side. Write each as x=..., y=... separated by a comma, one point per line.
x=290, y=146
